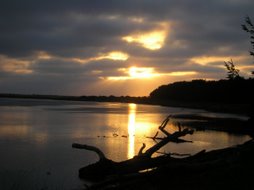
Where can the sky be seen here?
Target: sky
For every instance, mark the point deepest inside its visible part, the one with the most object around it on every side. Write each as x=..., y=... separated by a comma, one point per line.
x=113, y=47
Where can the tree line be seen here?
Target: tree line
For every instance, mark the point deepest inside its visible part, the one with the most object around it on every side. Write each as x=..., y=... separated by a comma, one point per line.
x=234, y=90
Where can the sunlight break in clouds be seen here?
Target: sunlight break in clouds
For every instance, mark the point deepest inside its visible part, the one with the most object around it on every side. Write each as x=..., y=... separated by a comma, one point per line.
x=152, y=40
x=141, y=72
x=135, y=73
x=146, y=73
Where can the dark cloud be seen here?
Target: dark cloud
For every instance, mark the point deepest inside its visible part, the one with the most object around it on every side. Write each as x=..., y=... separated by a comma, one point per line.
x=57, y=67
x=71, y=28
x=69, y=68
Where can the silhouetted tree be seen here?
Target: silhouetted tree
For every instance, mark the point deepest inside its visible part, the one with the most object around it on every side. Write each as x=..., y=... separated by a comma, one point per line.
x=233, y=73
x=249, y=27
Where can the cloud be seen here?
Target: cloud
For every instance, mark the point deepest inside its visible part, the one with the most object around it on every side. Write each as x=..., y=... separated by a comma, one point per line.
x=12, y=65
x=152, y=40
x=75, y=46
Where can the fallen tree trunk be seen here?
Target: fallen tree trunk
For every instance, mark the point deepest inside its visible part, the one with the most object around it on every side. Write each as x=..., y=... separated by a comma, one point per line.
x=105, y=167
x=229, y=168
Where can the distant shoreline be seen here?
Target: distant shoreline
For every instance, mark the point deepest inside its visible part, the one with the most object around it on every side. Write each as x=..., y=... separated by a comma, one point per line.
x=209, y=106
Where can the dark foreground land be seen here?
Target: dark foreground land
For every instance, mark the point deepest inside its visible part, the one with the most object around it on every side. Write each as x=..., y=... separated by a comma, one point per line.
x=230, y=168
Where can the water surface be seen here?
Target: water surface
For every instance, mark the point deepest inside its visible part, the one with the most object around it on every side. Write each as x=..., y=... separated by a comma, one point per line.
x=36, y=138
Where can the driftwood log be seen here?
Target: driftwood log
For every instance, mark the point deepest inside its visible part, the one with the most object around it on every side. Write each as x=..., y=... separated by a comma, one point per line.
x=143, y=161
x=229, y=169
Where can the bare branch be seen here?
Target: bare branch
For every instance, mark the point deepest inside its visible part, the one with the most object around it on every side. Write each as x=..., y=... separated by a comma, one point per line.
x=179, y=127
x=163, y=125
x=154, y=137
x=167, y=139
x=164, y=131
x=91, y=148
x=165, y=122
x=141, y=149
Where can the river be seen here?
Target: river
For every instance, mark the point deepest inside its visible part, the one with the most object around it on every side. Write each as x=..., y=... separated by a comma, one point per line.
x=36, y=138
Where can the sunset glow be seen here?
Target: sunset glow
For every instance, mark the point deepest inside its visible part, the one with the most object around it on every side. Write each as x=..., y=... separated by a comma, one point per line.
x=152, y=40
x=135, y=73
x=97, y=94
x=204, y=60
x=182, y=73
x=146, y=73
x=113, y=55
x=131, y=130
x=141, y=72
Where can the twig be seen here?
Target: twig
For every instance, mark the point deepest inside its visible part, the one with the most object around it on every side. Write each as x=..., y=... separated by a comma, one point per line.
x=91, y=148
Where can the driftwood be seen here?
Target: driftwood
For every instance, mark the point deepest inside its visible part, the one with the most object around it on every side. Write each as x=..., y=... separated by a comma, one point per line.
x=229, y=168
x=91, y=148
x=143, y=161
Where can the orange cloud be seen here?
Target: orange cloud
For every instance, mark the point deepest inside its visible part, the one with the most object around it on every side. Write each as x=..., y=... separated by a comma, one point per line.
x=13, y=65
x=113, y=55
x=152, y=40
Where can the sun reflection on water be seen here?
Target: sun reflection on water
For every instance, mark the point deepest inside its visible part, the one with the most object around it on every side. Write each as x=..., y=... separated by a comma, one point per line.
x=131, y=129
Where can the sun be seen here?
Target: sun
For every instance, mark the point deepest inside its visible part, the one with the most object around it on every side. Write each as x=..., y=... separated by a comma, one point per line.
x=140, y=72
x=135, y=73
